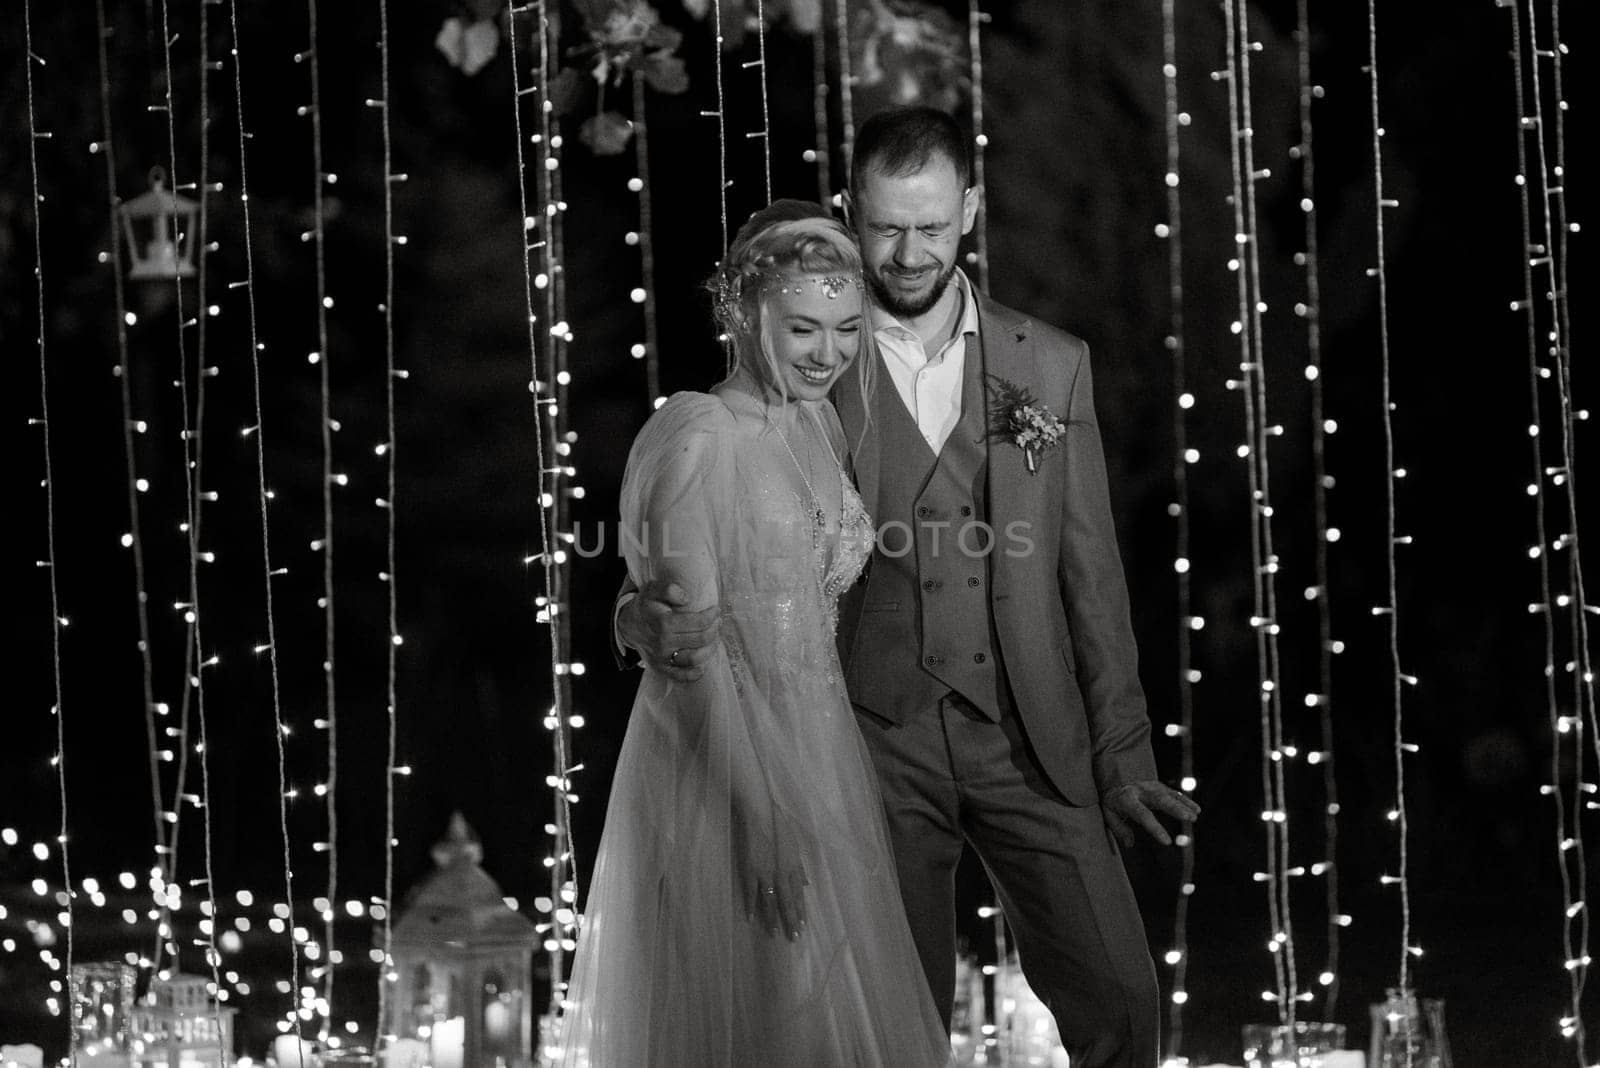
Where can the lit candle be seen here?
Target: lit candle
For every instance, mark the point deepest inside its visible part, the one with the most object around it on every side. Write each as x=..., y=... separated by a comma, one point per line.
x=25, y=1055
x=449, y=1042
x=1344, y=1058
x=497, y=1022
x=405, y=1053
x=291, y=1051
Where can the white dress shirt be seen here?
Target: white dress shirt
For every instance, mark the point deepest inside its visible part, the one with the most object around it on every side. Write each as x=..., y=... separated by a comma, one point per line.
x=930, y=386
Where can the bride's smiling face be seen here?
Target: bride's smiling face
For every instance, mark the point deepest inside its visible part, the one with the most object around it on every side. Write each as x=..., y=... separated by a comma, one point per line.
x=812, y=326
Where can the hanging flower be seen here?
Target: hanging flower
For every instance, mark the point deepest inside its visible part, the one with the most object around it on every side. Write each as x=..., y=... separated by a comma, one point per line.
x=1015, y=416
x=468, y=44
x=625, y=37
x=606, y=134
x=913, y=53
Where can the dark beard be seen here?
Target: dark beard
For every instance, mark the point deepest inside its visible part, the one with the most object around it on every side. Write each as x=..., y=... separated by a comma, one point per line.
x=906, y=309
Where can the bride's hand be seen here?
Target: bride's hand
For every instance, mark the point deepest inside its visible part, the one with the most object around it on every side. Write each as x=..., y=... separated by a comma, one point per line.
x=773, y=877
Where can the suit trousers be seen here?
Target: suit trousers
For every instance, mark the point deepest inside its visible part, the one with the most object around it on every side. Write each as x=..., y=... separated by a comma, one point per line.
x=949, y=775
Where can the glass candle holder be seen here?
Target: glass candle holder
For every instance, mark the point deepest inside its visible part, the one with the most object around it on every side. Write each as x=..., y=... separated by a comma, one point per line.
x=1408, y=1032
x=1303, y=1044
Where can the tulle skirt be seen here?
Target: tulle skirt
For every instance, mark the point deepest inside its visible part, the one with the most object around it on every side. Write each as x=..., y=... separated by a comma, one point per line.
x=671, y=971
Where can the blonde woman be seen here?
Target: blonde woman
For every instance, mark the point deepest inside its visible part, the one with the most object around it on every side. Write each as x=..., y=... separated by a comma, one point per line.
x=744, y=908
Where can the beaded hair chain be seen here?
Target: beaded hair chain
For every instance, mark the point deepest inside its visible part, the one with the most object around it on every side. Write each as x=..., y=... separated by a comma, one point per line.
x=732, y=287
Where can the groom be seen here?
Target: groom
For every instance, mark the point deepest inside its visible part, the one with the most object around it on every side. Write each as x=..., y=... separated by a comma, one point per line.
x=989, y=651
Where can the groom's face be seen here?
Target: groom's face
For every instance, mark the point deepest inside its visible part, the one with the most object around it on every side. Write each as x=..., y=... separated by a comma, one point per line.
x=910, y=228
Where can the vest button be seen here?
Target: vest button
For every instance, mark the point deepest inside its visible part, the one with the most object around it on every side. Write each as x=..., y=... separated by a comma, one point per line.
x=933, y=661
x=929, y=584
x=923, y=511
x=978, y=658
x=966, y=509
x=973, y=582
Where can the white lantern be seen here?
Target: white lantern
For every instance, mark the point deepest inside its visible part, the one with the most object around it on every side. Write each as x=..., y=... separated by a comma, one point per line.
x=161, y=228
x=464, y=964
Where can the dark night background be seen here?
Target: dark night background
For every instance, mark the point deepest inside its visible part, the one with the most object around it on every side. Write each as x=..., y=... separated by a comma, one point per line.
x=1073, y=98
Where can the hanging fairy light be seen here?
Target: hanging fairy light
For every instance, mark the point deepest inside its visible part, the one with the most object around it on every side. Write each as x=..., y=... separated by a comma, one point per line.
x=191, y=396
x=542, y=234
x=383, y=954
x=1310, y=310
x=133, y=538
x=764, y=135
x=1390, y=611
x=645, y=295
x=1245, y=266
x=207, y=945
x=256, y=433
x=562, y=490
x=329, y=723
x=1182, y=730
x=979, y=256
x=556, y=468
x=1562, y=612
x=722, y=125
x=58, y=621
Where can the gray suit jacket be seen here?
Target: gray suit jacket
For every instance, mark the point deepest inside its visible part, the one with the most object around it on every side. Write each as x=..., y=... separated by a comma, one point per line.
x=1060, y=605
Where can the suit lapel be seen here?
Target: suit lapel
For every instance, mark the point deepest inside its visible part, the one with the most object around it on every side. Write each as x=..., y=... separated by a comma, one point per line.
x=1008, y=353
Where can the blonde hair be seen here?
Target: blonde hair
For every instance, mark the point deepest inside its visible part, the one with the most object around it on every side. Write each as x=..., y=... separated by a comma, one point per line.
x=774, y=244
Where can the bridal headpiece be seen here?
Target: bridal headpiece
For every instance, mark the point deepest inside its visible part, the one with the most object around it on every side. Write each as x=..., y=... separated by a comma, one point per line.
x=790, y=246
x=734, y=286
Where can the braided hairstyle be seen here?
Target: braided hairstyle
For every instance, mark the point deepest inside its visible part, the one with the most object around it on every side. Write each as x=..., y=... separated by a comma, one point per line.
x=788, y=237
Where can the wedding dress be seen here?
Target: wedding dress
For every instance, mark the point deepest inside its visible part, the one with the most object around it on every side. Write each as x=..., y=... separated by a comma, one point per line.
x=757, y=762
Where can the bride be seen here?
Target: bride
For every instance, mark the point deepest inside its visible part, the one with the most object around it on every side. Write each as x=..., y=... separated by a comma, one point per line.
x=744, y=909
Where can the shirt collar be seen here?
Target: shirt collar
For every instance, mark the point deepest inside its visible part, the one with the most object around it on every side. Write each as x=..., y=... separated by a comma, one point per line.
x=969, y=312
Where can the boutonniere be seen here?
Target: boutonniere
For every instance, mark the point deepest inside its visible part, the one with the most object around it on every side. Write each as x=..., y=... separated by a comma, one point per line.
x=1016, y=416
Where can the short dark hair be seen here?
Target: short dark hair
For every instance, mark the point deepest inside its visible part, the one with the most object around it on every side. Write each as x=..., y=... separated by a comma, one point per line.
x=901, y=141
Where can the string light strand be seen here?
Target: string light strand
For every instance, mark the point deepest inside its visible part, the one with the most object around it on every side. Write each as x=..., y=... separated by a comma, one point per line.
x=1245, y=265
x=1172, y=232
x=549, y=163
x=1540, y=252
x=1311, y=312
x=57, y=620
x=766, y=117
x=722, y=125
x=979, y=256
x=134, y=537
x=312, y=58
x=203, y=315
x=1391, y=611
x=390, y=451
x=1281, y=751
x=646, y=293
x=192, y=436
x=561, y=722
x=263, y=497
x=564, y=866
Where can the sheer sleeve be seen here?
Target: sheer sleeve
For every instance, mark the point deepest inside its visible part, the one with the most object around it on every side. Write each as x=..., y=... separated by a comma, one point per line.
x=674, y=474
x=682, y=522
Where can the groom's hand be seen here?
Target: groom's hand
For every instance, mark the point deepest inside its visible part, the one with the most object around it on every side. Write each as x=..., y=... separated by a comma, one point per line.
x=1132, y=808
x=668, y=638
